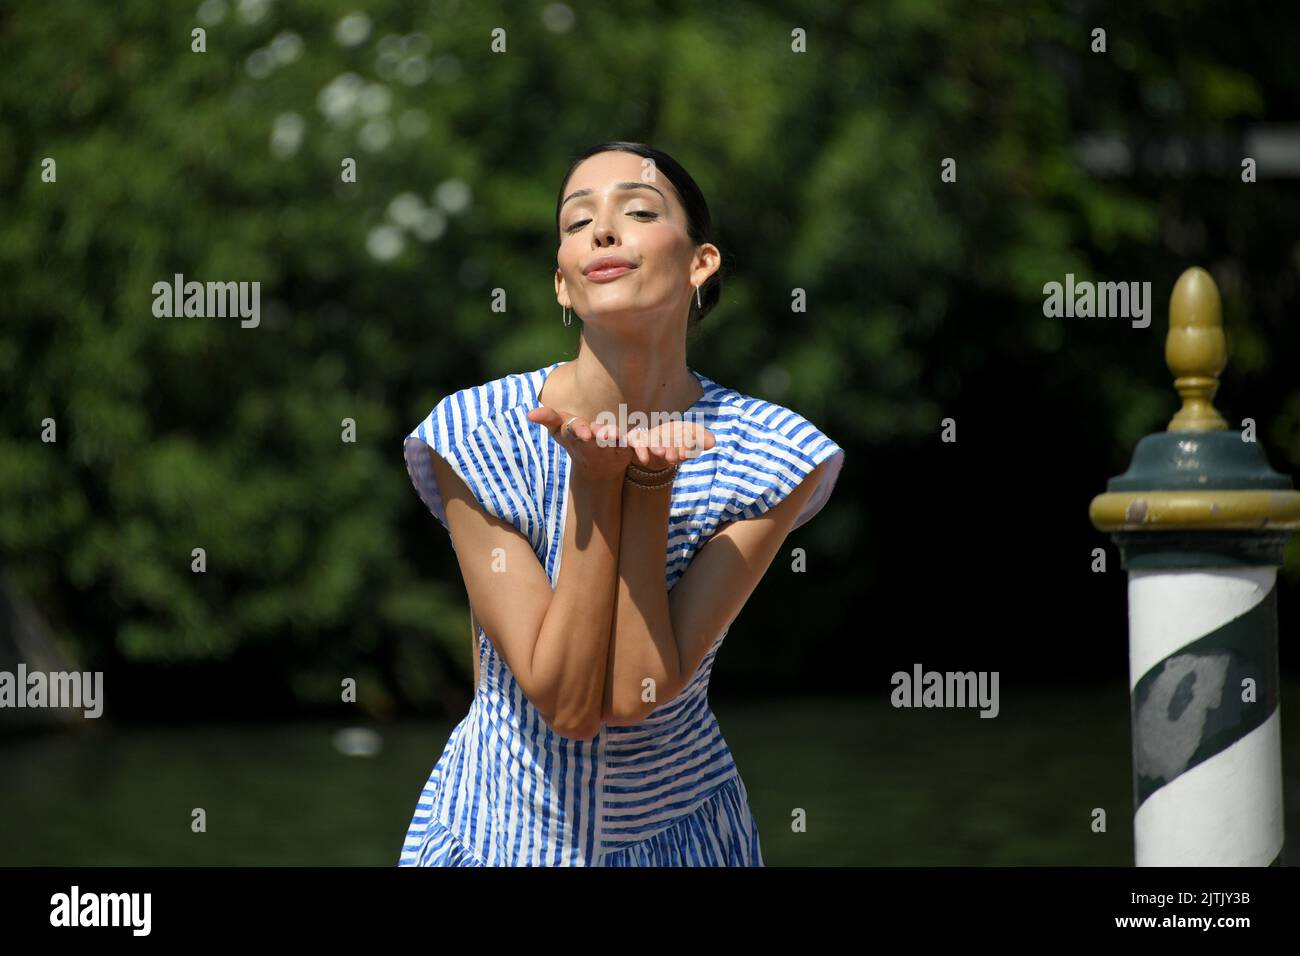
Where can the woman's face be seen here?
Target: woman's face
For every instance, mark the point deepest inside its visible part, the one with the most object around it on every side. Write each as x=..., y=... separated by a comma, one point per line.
x=612, y=208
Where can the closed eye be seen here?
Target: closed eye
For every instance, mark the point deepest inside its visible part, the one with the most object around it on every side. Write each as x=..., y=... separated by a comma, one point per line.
x=636, y=212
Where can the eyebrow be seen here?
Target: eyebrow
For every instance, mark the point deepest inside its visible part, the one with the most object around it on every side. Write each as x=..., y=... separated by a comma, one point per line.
x=587, y=192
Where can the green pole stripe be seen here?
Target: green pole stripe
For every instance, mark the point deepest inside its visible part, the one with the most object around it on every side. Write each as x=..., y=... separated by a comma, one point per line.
x=1249, y=645
x=1159, y=550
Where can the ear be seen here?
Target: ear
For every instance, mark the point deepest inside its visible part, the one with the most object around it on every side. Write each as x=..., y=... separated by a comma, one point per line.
x=707, y=261
x=561, y=295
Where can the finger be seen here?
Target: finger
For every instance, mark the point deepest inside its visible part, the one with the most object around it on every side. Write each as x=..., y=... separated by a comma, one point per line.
x=567, y=425
x=539, y=415
x=551, y=418
x=697, y=440
x=642, y=457
x=581, y=430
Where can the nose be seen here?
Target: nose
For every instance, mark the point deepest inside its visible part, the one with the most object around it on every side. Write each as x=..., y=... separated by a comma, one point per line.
x=603, y=232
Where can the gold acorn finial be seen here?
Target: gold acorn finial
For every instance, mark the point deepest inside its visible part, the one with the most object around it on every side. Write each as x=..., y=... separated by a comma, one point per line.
x=1196, y=351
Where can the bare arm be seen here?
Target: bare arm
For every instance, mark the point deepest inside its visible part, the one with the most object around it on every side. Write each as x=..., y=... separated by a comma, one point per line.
x=555, y=642
x=663, y=636
x=643, y=657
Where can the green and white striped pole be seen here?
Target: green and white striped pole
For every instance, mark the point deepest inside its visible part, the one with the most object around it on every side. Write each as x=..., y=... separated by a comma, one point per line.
x=1201, y=521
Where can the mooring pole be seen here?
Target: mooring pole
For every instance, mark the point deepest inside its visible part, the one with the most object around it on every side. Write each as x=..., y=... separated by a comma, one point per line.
x=1201, y=521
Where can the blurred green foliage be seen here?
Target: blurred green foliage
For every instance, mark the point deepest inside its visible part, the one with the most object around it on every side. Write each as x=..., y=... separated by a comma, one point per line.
x=822, y=170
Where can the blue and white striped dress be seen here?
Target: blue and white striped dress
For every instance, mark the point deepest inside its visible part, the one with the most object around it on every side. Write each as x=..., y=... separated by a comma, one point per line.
x=507, y=791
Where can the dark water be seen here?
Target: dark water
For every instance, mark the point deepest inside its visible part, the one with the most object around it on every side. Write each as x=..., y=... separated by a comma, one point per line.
x=879, y=786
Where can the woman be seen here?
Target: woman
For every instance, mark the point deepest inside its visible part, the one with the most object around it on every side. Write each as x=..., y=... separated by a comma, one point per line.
x=590, y=741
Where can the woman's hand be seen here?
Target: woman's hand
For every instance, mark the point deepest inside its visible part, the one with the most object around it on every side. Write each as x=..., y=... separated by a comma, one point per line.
x=669, y=443
x=594, y=452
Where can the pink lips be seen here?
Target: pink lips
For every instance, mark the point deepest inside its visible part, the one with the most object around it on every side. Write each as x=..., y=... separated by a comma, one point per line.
x=610, y=272
x=608, y=267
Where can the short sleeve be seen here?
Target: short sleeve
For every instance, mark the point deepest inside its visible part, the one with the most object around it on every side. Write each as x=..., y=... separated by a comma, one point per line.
x=484, y=452
x=775, y=451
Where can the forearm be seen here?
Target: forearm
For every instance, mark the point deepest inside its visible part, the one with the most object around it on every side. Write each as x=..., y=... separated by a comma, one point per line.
x=568, y=665
x=644, y=662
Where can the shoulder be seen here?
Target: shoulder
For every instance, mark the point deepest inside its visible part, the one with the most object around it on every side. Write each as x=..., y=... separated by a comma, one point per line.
x=482, y=432
x=766, y=450
x=462, y=412
x=747, y=425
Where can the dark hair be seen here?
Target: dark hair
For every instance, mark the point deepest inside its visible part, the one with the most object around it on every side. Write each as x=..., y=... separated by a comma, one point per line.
x=699, y=224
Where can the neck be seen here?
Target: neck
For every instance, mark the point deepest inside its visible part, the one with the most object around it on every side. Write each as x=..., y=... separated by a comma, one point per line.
x=645, y=374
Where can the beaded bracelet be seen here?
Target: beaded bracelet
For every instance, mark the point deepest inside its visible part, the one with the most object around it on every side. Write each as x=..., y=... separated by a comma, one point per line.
x=665, y=476
x=647, y=473
x=637, y=484
x=640, y=472
x=641, y=482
